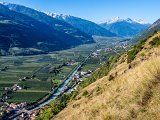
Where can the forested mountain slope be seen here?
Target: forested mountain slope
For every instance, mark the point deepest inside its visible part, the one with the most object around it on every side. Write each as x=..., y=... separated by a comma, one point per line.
x=21, y=34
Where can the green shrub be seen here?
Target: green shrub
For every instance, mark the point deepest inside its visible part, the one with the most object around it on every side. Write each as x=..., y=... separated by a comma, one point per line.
x=56, y=81
x=56, y=106
x=135, y=50
x=98, y=90
x=155, y=41
x=85, y=93
x=142, y=54
x=132, y=54
x=110, y=77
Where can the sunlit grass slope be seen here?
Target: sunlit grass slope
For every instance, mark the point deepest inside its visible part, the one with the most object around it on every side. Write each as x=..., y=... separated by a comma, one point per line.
x=133, y=91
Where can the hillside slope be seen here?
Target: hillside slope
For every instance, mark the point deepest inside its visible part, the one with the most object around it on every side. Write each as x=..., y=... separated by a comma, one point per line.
x=131, y=93
x=56, y=24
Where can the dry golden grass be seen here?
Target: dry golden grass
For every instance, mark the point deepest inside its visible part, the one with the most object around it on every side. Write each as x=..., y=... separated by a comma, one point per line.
x=134, y=95
x=148, y=51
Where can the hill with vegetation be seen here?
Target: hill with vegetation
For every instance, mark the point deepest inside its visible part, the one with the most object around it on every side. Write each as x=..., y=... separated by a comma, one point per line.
x=126, y=87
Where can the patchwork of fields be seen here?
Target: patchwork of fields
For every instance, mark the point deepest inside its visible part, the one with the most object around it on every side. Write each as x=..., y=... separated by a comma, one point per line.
x=38, y=75
x=37, y=71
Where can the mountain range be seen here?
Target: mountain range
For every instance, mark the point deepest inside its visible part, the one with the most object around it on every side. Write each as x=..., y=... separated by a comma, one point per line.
x=86, y=26
x=24, y=30
x=125, y=27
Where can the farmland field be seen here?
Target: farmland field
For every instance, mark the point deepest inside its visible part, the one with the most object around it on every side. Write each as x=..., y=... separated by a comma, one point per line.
x=29, y=97
x=37, y=69
x=36, y=73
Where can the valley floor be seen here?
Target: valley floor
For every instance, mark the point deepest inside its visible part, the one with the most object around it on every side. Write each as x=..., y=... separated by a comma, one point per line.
x=31, y=78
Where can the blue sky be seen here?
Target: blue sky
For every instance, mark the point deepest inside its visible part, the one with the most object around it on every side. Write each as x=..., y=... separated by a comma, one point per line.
x=98, y=10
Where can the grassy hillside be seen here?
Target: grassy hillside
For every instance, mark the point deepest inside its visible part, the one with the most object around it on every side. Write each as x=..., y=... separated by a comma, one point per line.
x=131, y=93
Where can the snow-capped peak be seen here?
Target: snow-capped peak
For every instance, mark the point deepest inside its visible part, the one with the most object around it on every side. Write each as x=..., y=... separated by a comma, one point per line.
x=2, y=2
x=140, y=21
x=113, y=20
x=55, y=15
x=129, y=20
x=51, y=14
x=118, y=19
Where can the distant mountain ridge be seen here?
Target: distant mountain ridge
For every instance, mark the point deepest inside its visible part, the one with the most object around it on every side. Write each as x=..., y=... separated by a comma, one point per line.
x=86, y=26
x=125, y=27
x=118, y=19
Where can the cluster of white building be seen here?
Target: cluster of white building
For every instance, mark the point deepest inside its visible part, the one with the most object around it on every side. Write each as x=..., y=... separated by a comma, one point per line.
x=15, y=87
